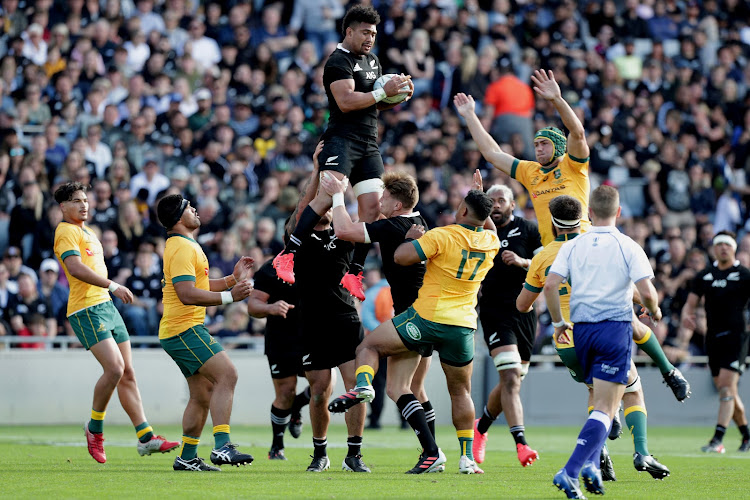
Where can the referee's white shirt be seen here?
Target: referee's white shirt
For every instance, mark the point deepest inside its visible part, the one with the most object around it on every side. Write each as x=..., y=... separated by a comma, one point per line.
x=601, y=265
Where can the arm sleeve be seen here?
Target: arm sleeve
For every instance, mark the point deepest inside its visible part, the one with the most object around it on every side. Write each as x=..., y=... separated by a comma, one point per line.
x=262, y=280
x=534, y=237
x=336, y=72
x=67, y=242
x=534, y=277
x=182, y=268
x=696, y=286
x=428, y=245
x=520, y=170
x=561, y=264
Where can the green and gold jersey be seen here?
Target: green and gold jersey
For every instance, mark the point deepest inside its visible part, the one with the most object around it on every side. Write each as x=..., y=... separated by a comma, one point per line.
x=570, y=176
x=536, y=277
x=184, y=260
x=71, y=239
x=459, y=257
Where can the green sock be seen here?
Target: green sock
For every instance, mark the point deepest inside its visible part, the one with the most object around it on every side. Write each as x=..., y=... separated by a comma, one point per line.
x=189, y=447
x=96, y=424
x=221, y=435
x=650, y=345
x=465, y=440
x=144, y=432
x=364, y=374
x=635, y=419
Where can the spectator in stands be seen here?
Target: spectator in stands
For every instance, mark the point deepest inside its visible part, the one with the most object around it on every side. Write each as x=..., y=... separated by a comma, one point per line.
x=27, y=303
x=143, y=314
x=53, y=292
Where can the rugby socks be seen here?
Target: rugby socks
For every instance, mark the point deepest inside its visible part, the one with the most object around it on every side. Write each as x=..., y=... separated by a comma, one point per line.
x=465, y=441
x=590, y=442
x=650, y=345
x=308, y=219
x=189, y=448
x=319, y=447
x=429, y=415
x=355, y=445
x=300, y=400
x=415, y=415
x=96, y=424
x=636, y=421
x=485, y=421
x=144, y=432
x=365, y=374
x=718, y=434
x=519, y=434
x=745, y=432
x=279, y=422
x=221, y=435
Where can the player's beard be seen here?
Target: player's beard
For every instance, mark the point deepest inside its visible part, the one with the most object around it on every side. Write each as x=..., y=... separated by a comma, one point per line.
x=501, y=218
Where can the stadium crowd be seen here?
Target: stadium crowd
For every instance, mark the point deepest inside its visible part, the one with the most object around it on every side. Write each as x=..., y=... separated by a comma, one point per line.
x=224, y=103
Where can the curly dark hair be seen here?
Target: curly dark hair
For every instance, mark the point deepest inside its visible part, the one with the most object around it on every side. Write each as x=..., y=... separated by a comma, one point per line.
x=359, y=14
x=65, y=192
x=565, y=207
x=479, y=203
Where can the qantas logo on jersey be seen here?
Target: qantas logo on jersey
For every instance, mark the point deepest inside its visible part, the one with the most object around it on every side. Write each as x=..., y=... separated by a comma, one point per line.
x=89, y=252
x=514, y=232
x=357, y=67
x=735, y=276
x=537, y=194
x=205, y=270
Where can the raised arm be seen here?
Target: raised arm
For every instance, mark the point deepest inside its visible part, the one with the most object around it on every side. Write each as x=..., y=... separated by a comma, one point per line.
x=546, y=87
x=489, y=148
x=308, y=191
x=343, y=225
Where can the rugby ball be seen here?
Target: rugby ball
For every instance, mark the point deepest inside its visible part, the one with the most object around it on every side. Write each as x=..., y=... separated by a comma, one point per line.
x=380, y=83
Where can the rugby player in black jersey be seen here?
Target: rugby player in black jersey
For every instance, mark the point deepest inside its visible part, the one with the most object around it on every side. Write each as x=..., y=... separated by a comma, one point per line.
x=509, y=334
x=726, y=287
x=277, y=302
x=351, y=147
x=330, y=327
x=397, y=221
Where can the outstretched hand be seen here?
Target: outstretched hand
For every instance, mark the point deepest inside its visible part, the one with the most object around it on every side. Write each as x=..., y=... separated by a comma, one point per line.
x=477, y=180
x=545, y=84
x=242, y=267
x=331, y=184
x=318, y=149
x=464, y=104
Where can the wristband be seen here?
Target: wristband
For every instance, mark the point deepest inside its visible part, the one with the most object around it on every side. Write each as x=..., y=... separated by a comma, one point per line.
x=379, y=94
x=558, y=324
x=338, y=200
x=113, y=286
x=226, y=298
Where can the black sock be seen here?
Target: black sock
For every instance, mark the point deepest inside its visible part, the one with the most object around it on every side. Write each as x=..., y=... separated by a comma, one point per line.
x=300, y=400
x=745, y=432
x=279, y=422
x=308, y=219
x=429, y=415
x=357, y=263
x=518, y=432
x=719, y=434
x=485, y=421
x=413, y=412
x=355, y=446
x=319, y=446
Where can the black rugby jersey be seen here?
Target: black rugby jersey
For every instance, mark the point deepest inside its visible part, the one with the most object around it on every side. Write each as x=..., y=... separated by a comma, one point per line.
x=319, y=265
x=364, y=70
x=503, y=283
x=405, y=281
x=727, y=293
x=282, y=334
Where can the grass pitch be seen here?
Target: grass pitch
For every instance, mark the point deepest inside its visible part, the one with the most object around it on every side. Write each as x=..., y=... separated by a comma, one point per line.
x=52, y=462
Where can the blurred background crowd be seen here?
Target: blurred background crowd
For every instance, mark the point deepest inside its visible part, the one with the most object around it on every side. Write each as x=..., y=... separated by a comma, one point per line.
x=224, y=103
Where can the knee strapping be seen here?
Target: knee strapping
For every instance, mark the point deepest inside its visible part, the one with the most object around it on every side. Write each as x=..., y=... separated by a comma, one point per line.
x=634, y=386
x=368, y=186
x=507, y=360
x=726, y=398
x=524, y=370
